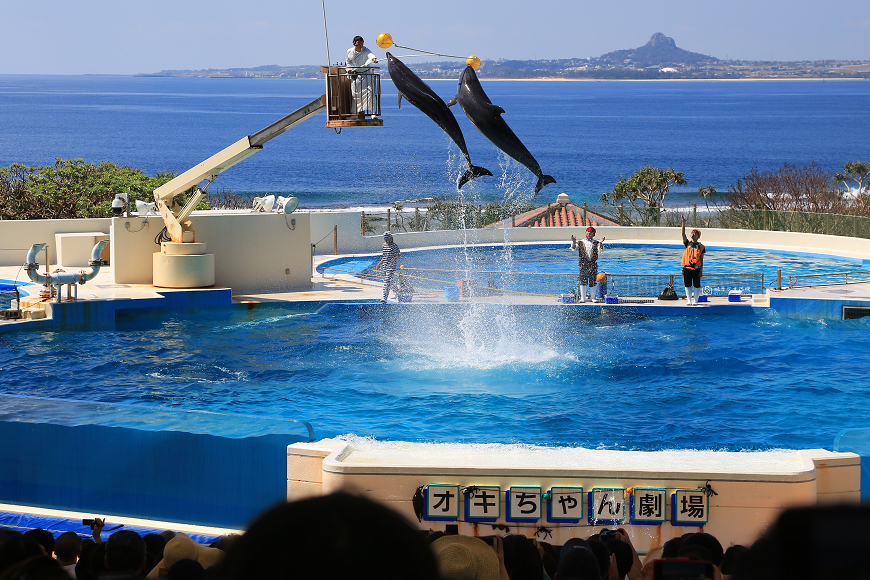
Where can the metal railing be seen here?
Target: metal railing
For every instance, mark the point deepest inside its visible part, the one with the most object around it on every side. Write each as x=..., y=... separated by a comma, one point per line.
x=351, y=95
x=551, y=284
x=421, y=218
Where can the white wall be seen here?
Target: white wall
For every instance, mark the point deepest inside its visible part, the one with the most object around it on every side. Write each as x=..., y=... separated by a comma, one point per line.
x=16, y=236
x=351, y=242
x=748, y=499
x=253, y=252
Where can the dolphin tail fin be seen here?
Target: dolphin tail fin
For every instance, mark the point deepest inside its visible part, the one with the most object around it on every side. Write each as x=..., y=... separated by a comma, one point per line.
x=542, y=181
x=473, y=173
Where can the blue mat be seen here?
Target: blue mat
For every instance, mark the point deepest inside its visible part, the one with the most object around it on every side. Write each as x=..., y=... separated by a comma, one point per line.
x=57, y=526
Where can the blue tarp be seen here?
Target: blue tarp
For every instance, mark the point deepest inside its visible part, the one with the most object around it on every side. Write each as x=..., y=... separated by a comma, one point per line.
x=57, y=526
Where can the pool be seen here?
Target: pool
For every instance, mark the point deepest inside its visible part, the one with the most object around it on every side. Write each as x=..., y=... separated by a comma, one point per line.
x=489, y=374
x=635, y=269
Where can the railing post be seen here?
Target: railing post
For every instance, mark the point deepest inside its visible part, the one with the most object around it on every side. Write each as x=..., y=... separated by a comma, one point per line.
x=779, y=278
x=514, y=220
x=658, y=217
x=362, y=223
x=389, y=227
x=694, y=215
x=335, y=240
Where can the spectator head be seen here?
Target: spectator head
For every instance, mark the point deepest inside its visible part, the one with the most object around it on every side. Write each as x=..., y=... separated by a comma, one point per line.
x=167, y=535
x=521, y=558
x=36, y=568
x=332, y=536
x=672, y=547
x=67, y=548
x=154, y=544
x=182, y=547
x=577, y=562
x=733, y=558
x=466, y=558
x=125, y=552
x=186, y=570
x=358, y=39
x=44, y=538
x=704, y=540
x=621, y=552
x=225, y=542
x=550, y=559
x=17, y=549
x=602, y=554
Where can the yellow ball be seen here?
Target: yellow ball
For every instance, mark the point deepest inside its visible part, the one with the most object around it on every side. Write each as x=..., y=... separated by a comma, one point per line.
x=473, y=62
x=385, y=40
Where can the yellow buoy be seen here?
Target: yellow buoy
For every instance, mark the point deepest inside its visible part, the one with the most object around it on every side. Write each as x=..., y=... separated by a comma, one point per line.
x=471, y=61
x=385, y=40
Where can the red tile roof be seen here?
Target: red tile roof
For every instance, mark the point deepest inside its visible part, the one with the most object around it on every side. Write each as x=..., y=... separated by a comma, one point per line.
x=555, y=215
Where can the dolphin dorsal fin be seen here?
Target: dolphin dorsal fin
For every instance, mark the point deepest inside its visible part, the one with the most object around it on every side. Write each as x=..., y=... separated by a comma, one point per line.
x=453, y=101
x=495, y=109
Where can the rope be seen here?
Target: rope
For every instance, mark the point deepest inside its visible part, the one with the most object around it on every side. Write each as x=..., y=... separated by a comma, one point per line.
x=426, y=51
x=499, y=289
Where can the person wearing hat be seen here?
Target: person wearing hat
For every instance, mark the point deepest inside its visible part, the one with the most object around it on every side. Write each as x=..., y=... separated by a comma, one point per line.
x=469, y=558
x=587, y=250
x=692, y=263
x=390, y=256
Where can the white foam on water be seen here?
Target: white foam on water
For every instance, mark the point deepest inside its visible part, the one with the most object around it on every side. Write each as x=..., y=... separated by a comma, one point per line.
x=367, y=450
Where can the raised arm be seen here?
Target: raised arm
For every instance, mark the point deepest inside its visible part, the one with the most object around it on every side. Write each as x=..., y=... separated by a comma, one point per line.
x=685, y=239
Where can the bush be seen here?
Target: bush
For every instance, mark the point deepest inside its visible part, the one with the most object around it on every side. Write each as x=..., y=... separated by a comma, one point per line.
x=72, y=188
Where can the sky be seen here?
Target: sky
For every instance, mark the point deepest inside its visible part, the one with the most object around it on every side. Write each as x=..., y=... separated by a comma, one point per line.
x=124, y=37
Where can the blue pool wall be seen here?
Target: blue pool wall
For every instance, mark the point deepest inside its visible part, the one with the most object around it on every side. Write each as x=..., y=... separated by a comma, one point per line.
x=857, y=441
x=156, y=475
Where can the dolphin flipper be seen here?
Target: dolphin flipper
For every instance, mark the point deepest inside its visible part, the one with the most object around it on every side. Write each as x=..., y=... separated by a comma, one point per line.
x=542, y=181
x=453, y=101
x=473, y=172
x=400, y=99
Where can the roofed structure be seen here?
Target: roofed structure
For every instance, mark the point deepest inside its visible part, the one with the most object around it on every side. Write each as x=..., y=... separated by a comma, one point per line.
x=563, y=213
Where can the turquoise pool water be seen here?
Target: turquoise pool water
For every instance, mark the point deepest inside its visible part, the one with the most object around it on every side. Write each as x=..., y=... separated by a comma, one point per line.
x=486, y=374
x=478, y=373
x=537, y=268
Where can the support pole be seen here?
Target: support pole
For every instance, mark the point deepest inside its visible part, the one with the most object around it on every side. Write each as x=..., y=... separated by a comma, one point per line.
x=335, y=240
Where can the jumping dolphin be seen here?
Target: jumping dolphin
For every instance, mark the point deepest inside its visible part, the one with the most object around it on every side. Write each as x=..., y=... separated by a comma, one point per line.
x=487, y=118
x=424, y=98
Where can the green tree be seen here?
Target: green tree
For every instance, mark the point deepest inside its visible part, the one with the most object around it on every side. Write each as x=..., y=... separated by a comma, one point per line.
x=858, y=172
x=647, y=188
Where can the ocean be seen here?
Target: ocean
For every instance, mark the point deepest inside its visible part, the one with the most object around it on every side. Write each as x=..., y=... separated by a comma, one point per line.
x=586, y=134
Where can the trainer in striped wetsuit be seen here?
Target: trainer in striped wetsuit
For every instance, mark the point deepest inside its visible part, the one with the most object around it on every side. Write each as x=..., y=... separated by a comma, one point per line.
x=388, y=260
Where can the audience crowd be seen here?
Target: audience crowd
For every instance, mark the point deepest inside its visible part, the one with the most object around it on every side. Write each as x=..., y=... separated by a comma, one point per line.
x=342, y=536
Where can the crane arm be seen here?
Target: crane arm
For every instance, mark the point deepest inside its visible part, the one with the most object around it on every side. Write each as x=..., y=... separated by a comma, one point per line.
x=175, y=218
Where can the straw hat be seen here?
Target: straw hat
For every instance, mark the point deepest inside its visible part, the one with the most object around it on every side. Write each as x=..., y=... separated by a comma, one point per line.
x=182, y=547
x=465, y=558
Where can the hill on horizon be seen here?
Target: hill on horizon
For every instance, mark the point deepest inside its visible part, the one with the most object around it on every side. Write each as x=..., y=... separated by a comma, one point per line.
x=660, y=50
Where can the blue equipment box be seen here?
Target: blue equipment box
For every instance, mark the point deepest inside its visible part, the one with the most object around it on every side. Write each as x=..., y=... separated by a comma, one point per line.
x=733, y=297
x=611, y=300
x=451, y=293
x=703, y=298
x=568, y=299
x=405, y=297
